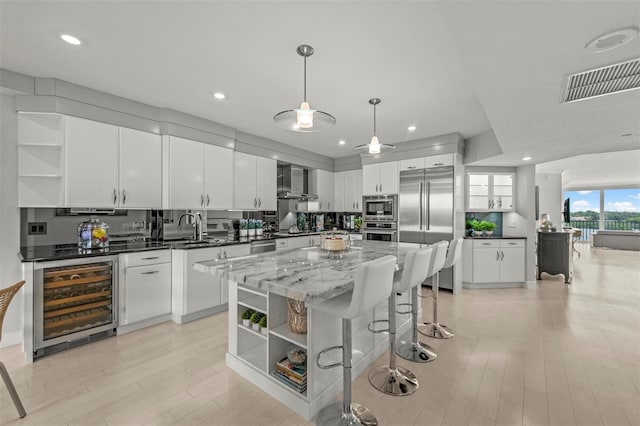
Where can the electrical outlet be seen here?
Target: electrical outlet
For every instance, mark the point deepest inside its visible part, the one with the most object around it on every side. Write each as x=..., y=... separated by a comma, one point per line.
x=36, y=228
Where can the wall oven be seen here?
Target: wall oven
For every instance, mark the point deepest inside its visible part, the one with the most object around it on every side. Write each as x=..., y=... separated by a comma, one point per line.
x=380, y=231
x=74, y=302
x=380, y=207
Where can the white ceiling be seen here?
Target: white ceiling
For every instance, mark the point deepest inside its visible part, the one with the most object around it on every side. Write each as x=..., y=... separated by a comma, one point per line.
x=445, y=67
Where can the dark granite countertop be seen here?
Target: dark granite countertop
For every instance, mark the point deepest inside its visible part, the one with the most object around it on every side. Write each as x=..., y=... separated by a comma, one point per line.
x=71, y=251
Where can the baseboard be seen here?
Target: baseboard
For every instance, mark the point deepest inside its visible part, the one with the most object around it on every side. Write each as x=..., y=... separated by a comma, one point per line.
x=181, y=319
x=124, y=329
x=494, y=285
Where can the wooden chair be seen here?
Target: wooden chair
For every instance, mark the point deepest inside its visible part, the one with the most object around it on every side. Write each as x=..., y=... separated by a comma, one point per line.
x=5, y=298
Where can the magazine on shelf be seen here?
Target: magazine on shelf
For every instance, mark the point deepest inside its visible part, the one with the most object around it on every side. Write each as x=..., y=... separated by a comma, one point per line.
x=296, y=370
x=287, y=381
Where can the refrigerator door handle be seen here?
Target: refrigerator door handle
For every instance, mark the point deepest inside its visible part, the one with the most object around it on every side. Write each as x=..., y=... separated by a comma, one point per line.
x=420, y=203
x=427, y=206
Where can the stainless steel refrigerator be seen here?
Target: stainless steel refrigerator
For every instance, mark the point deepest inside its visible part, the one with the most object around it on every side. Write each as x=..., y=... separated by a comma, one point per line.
x=425, y=209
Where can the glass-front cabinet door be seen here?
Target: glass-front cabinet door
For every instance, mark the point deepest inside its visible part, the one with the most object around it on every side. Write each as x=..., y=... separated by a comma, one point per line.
x=490, y=191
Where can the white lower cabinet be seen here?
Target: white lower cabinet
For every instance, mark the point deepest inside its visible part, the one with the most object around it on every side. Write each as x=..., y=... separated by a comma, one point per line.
x=144, y=289
x=306, y=241
x=197, y=294
x=493, y=263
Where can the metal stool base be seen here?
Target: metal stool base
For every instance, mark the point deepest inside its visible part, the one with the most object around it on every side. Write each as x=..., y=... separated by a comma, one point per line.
x=435, y=330
x=416, y=352
x=393, y=381
x=332, y=416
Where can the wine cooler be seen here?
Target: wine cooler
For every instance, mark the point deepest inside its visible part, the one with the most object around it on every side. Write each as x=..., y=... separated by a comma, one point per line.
x=74, y=303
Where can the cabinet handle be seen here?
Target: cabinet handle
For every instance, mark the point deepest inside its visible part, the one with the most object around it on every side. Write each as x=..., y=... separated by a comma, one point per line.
x=255, y=202
x=353, y=206
x=202, y=199
x=502, y=257
x=376, y=187
x=124, y=197
x=150, y=258
x=380, y=187
x=150, y=272
x=497, y=255
x=224, y=254
x=115, y=195
x=486, y=244
x=208, y=199
x=259, y=201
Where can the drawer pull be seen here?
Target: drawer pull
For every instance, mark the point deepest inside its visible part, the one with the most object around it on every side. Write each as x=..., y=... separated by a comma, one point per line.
x=150, y=272
x=150, y=258
x=486, y=244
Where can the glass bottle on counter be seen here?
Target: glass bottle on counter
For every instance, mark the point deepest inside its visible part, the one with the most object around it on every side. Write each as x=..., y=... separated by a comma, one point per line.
x=93, y=234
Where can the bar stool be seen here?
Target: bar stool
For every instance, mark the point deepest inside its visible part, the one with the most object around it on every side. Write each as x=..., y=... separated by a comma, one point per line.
x=391, y=379
x=435, y=329
x=372, y=286
x=6, y=294
x=414, y=350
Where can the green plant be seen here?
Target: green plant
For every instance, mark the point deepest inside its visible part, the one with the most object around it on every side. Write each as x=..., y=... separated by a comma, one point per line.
x=247, y=314
x=243, y=224
x=255, y=317
x=263, y=321
x=357, y=222
x=486, y=226
x=473, y=224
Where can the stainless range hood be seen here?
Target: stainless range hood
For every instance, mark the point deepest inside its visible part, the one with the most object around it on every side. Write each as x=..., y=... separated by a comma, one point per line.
x=292, y=183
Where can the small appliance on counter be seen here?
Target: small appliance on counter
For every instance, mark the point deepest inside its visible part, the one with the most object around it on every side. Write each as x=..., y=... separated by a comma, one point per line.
x=93, y=234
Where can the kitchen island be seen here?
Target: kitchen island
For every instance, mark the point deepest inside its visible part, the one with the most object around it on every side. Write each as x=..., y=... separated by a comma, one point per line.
x=276, y=284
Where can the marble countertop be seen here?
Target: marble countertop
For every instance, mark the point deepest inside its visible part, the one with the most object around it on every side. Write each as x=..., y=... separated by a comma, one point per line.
x=308, y=274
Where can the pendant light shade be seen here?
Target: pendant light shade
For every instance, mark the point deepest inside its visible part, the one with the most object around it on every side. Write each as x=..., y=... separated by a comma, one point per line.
x=374, y=147
x=304, y=119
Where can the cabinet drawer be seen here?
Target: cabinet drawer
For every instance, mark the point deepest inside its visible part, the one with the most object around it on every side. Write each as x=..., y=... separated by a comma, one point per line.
x=147, y=258
x=282, y=244
x=486, y=244
x=511, y=243
x=147, y=292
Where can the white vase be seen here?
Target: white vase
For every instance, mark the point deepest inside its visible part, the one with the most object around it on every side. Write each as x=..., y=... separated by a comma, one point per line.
x=244, y=232
x=246, y=323
x=489, y=233
x=256, y=327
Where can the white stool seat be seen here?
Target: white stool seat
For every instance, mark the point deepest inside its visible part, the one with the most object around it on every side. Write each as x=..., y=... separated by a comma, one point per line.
x=372, y=286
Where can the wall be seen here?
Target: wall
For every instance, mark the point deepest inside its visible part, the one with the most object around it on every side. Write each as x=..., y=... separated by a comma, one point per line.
x=526, y=208
x=550, y=196
x=10, y=271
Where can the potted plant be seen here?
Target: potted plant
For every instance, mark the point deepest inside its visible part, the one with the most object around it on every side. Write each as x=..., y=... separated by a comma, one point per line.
x=263, y=325
x=471, y=225
x=246, y=317
x=255, y=320
x=244, y=227
x=252, y=227
x=488, y=227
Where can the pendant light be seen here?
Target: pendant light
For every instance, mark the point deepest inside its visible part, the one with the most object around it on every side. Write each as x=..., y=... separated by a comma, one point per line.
x=304, y=119
x=374, y=147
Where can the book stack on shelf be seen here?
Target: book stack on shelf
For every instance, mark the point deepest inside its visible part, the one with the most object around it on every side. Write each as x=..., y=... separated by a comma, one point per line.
x=293, y=375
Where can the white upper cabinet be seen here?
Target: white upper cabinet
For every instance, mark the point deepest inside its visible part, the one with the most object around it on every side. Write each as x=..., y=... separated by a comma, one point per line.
x=321, y=182
x=426, y=162
x=490, y=191
x=338, y=192
x=140, y=169
x=380, y=179
x=186, y=174
x=91, y=163
x=353, y=190
x=266, y=183
x=218, y=171
x=199, y=175
x=255, y=182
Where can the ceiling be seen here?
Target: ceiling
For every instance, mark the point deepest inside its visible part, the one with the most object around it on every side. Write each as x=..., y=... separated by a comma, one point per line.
x=444, y=67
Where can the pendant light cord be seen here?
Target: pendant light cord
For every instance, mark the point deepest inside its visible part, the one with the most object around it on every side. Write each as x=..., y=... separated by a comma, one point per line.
x=374, y=120
x=305, y=79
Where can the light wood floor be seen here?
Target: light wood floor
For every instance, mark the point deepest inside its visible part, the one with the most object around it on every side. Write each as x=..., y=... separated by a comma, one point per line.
x=557, y=355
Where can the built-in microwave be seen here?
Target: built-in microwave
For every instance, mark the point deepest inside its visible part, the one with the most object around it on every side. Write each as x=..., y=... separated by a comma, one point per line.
x=380, y=231
x=380, y=207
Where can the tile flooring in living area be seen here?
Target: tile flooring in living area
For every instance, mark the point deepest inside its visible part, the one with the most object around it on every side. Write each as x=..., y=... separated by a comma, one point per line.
x=557, y=355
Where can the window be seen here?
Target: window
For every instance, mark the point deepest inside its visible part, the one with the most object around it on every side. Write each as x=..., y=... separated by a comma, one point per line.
x=622, y=209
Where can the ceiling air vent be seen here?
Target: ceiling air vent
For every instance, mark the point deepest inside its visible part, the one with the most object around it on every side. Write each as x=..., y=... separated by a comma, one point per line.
x=602, y=81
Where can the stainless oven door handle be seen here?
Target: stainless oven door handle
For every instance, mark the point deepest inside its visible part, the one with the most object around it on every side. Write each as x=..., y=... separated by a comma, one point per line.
x=420, y=202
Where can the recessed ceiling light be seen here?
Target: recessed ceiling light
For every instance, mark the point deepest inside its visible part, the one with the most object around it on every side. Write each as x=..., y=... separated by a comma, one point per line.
x=70, y=39
x=527, y=158
x=342, y=142
x=611, y=40
x=219, y=95
x=411, y=128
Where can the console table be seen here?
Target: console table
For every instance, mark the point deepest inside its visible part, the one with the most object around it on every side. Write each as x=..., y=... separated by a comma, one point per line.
x=555, y=254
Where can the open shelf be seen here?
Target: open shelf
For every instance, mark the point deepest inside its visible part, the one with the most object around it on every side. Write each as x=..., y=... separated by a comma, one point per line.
x=255, y=356
x=282, y=331
x=252, y=331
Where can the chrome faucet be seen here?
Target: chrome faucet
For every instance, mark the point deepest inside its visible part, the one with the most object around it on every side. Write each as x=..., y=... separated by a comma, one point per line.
x=198, y=234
